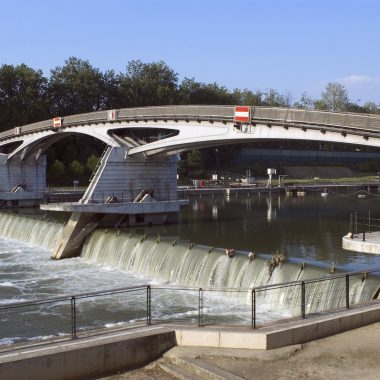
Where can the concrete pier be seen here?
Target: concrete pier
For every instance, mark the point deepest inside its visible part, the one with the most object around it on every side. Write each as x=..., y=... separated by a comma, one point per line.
x=370, y=244
x=124, y=192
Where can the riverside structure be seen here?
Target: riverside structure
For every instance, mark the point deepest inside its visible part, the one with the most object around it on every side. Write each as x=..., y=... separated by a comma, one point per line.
x=135, y=183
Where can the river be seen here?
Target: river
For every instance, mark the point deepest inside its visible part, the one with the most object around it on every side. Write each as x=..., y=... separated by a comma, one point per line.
x=306, y=229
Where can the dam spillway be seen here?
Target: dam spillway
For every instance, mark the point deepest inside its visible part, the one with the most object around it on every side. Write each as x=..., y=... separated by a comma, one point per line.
x=166, y=261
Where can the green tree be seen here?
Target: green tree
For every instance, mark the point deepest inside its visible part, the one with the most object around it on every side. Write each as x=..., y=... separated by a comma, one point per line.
x=76, y=87
x=147, y=84
x=194, y=160
x=371, y=107
x=305, y=102
x=76, y=169
x=112, y=97
x=247, y=97
x=57, y=169
x=192, y=92
x=23, y=96
x=334, y=98
x=273, y=98
x=92, y=163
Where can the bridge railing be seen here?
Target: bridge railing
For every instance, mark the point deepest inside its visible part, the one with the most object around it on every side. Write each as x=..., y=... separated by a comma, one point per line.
x=361, y=224
x=282, y=116
x=79, y=315
x=338, y=119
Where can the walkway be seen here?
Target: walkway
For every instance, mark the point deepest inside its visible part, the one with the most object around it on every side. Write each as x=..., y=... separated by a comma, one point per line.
x=349, y=355
x=122, y=350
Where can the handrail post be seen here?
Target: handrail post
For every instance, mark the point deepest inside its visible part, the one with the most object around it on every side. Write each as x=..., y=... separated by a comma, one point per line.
x=73, y=319
x=350, y=226
x=356, y=223
x=200, y=307
x=369, y=220
x=347, y=291
x=303, y=303
x=253, y=308
x=148, y=305
x=364, y=235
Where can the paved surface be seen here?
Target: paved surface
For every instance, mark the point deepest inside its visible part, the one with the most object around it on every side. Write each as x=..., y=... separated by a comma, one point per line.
x=349, y=355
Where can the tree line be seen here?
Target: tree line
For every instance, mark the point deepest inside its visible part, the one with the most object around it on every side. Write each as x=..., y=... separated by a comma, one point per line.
x=27, y=96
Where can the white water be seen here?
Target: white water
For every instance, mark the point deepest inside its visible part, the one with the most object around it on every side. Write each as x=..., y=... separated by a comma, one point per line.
x=113, y=260
x=198, y=266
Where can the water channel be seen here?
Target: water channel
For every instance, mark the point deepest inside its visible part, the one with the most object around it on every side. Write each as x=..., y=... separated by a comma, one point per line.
x=306, y=229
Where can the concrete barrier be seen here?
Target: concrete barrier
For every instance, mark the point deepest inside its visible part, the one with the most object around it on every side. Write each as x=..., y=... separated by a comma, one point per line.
x=281, y=335
x=88, y=357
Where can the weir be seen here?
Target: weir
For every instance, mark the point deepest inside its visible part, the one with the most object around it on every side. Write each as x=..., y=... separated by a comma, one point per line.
x=184, y=264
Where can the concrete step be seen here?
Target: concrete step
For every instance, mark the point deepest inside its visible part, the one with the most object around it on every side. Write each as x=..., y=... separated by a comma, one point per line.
x=178, y=372
x=203, y=369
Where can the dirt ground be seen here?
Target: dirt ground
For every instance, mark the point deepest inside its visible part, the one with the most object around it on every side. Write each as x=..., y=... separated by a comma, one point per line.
x=349, y=355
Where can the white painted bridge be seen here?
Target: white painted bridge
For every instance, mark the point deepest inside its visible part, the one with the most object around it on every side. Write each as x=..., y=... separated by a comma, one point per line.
x=135, y=183
x=181, y=128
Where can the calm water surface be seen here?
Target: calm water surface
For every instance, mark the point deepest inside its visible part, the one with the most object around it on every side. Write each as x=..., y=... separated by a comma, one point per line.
x=309, y=228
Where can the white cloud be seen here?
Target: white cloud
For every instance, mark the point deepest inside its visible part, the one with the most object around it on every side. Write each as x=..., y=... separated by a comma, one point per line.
x=358, y=79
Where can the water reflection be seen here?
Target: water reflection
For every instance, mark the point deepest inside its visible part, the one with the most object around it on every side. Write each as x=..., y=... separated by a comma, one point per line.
x=214, y=212
x=307, y=228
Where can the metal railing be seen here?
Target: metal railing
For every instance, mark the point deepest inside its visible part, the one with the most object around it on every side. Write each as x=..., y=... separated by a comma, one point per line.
x=362, y=224
x=340, y=121
x=83, y=314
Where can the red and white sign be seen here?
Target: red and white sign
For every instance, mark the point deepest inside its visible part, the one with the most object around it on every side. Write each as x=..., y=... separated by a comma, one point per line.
x=111, y=115
x=242, y=114
x=57, y=122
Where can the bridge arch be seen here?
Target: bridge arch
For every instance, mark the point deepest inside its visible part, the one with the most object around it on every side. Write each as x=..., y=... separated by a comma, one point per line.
x=198, y=127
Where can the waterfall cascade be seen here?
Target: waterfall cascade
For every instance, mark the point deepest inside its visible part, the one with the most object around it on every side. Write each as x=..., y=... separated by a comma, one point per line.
x=187, y=265
x=30, y=230
x=190, y=265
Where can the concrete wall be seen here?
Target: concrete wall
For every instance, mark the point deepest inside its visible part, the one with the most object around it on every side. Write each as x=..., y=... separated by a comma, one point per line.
x=281, y=335
x=124, y=177
x=30, y=172
x=87, y=358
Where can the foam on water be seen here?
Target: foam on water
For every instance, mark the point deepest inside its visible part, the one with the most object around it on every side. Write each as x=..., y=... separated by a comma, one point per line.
x=114, y=260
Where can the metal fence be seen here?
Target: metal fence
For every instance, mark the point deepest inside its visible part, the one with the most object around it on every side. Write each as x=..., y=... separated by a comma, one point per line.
x=84, y=314
x=364, y=223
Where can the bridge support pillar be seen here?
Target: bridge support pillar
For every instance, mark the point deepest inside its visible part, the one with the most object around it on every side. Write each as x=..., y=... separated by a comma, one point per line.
x=124, y=192
x=74, y=233
x=22, y=182
x=121, y=178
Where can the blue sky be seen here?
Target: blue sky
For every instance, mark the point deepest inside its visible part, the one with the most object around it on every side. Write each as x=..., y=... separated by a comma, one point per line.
x=289, y=45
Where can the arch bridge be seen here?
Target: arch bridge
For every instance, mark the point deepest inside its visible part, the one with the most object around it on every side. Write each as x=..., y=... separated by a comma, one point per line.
x=135, y=182
x=176, y=129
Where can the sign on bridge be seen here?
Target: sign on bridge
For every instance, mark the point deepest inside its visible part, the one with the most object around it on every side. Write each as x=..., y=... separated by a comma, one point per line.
x=242, y=114
x=111, y=115
x=57, y=122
